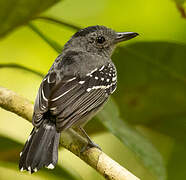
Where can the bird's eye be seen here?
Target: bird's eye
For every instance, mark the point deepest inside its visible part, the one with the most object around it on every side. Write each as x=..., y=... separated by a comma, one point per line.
x=100, y=39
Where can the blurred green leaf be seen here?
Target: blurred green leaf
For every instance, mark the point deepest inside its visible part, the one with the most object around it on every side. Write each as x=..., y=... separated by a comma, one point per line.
x=151, y=91
x=138, y=144
x=151, y=81
x=10, y=149
x=179, y=1
x=17, y=12
x=177, y=162
x=173, y=126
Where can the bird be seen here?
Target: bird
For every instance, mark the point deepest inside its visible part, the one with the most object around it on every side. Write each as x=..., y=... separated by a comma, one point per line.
x=76, y=87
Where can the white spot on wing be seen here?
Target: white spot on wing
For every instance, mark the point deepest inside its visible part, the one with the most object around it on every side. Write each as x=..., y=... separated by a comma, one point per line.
x=62, y=94
x=35, y=169
x=22, y=169
x=43, y=107
x=45, y=79
x=81, y=82
x=114, y=78
x=71, y=79
x=100, y=87
x=92, y=71
x=89, y=89
x=106, y=74
x=101, y=68
x=44, y=95
x=29, y=168
x=48, y=79
x=20, y=154
x=53, y=108
x=29, y=138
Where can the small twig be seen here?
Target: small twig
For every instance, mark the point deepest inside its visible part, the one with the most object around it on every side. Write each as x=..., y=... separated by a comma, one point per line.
x=71, y=140
x=60, y=22
x=18, y=66
x=57, y=47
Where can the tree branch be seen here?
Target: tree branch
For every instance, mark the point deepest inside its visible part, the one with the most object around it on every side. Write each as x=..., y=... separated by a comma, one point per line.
x=71, y=140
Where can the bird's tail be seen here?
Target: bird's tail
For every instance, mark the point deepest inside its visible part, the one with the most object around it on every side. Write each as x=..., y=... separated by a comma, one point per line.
x=41, y=148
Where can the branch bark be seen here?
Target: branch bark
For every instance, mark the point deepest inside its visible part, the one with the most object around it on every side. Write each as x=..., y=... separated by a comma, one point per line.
x=70, y=139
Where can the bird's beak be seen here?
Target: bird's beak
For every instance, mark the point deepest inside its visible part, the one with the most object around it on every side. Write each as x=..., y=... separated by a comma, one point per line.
x=124, y=36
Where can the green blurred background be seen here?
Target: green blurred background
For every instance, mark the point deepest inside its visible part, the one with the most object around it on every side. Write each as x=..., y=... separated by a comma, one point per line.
x=151, y=94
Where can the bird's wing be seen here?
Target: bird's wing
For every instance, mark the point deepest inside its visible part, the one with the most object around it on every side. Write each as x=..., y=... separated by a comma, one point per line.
x=72, y=98
x=74, y=104
x=77, y=99
x=42, y=99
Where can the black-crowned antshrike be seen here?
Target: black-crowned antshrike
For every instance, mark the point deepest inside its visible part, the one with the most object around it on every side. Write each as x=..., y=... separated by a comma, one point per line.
x=76, y=87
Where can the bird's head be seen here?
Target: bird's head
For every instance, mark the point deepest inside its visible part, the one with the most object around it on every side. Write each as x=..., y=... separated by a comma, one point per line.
x=98, y=40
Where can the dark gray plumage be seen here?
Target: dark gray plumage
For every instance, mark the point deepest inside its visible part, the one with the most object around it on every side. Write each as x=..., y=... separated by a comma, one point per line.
x=76, y=87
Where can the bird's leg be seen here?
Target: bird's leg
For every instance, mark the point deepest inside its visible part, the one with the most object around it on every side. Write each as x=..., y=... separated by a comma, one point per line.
x=90, y=142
